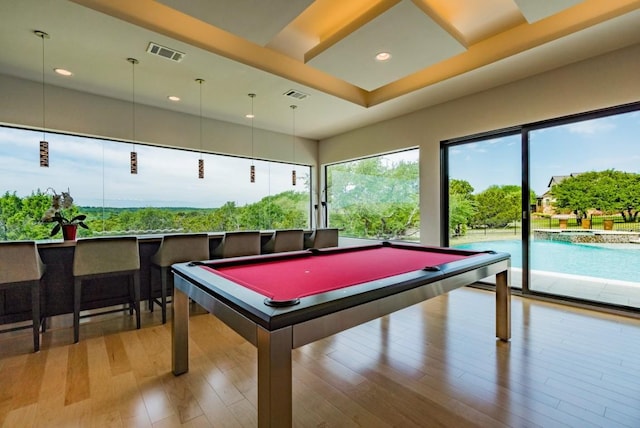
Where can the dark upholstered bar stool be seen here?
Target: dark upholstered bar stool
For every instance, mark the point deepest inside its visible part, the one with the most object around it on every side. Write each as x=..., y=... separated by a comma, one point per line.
x=106, y=257
x=175, y=249
x=236, y=244
x=322, y=238
x=285, y=240
x=21, y=266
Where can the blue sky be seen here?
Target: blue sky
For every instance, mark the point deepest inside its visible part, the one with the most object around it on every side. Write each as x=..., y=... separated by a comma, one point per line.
x=606, y=143
x=97, y=172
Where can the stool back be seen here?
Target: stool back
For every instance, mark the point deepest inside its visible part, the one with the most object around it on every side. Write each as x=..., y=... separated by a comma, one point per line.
x=288, y=240
x=106, y=255
x=237, y=244
x=20, y=261
x=182, y=248
x=323, y=238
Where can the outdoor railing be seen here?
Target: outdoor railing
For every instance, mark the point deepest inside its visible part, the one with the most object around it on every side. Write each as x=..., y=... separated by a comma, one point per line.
x=514, y=229
x=594, y=222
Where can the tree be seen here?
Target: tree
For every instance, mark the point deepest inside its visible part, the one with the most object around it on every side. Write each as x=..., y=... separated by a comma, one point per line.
x=461, y=187
x=369, y=199
x=609, y=191
x=226, y=217
x=20, y=217
x=285, y=210
x=462, y=206
x=575, y=193
x=497, y=206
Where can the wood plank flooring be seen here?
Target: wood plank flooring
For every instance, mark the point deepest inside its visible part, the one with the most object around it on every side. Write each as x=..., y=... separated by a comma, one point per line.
x=435, y=364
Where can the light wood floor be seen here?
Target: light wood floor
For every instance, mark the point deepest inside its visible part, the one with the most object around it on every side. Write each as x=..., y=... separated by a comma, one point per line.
x=436, y=364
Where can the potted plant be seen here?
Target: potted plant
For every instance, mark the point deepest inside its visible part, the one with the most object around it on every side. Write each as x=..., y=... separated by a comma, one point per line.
x=69, y=226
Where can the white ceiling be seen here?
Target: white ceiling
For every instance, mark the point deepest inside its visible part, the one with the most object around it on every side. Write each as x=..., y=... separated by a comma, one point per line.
x=441, y=50
x=414, y=40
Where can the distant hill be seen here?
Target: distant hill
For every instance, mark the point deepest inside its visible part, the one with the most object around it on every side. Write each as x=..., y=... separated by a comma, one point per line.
x=114, y=210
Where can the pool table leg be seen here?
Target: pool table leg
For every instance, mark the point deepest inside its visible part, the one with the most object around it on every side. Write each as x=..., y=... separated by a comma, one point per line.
x=274, y=378
x=503, y=306
x=180, y=333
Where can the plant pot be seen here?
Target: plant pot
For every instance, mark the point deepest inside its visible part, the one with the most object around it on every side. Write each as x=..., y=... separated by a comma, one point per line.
x=586, y=223
x=563, y=223
x=608, y=224
x=69, y=232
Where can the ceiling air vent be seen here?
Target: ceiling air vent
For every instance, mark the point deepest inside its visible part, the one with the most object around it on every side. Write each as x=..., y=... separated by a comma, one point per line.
x=165, y=52
x=295, y=94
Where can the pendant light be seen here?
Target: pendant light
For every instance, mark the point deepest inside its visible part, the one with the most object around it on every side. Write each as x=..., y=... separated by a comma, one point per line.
x=293, y=133
x=252, y=168
x=44, y=144
x=134, y=154
x=200, y=161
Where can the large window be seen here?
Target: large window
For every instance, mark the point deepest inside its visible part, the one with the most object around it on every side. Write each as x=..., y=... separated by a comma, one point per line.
x=376, y=198
x=561, y=196
x=165, y=195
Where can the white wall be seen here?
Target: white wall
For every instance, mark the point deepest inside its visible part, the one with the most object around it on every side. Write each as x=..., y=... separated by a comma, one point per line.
x=604, y=81
x=86, y=114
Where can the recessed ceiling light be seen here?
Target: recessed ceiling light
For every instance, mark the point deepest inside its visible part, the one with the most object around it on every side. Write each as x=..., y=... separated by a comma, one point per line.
x=63, y=72
x=173, y=98
x=383, y=56
x=249, y=116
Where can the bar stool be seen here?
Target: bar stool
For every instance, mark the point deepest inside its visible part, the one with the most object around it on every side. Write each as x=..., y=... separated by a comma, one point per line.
x=101, y=258
x=21, y=266
x=175, y=249
x=237, y=244
x=322, y=238
x=285, y=240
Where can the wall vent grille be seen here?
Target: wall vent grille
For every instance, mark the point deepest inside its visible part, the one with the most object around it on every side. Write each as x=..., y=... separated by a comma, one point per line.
x=165, y=52
x=292, y=93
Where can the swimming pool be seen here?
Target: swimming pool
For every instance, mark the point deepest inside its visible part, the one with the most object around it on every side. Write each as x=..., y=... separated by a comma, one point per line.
x=564, y=257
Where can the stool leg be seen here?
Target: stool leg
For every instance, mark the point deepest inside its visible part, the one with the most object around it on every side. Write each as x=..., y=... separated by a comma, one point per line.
x=35, y=314
x=43, y=311
x=132, y=294
x=150, y=301
x=164, y=271
x=77, y=282
x=136, y=296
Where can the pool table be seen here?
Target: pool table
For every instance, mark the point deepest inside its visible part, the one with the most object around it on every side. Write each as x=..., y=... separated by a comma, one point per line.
x=283, y=301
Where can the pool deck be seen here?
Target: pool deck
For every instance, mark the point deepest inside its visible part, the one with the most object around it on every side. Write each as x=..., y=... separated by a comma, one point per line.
x=611, y=291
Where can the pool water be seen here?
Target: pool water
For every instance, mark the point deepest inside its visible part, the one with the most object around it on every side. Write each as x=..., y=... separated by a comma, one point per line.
x=576, y=259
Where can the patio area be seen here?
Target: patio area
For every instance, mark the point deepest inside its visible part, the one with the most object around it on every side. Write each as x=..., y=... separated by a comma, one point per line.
x=611, y=291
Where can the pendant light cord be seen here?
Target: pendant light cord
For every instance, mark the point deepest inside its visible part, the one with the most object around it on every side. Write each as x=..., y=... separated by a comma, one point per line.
x=293, y=113
x=252, y=116
x=133, y=62
x=200, y=82
x=43, y=36
x=43, y=93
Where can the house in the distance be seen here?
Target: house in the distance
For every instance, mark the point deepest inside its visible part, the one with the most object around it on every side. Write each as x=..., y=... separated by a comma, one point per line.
x=546, y=200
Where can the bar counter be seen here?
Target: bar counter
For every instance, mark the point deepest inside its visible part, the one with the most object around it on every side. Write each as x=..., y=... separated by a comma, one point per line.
x=57, y=292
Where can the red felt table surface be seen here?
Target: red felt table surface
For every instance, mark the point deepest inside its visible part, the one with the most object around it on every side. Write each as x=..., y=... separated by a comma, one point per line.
x=304, y=276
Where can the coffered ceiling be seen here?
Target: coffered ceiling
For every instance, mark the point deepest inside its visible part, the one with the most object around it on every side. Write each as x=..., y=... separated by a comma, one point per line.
x=323, y=50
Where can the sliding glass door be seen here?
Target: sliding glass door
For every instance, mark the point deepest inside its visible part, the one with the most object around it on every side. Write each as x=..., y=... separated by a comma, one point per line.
x=584, y=232
x=484, y=194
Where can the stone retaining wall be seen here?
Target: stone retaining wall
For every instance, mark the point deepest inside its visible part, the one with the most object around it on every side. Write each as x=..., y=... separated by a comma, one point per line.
x=586, y=236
